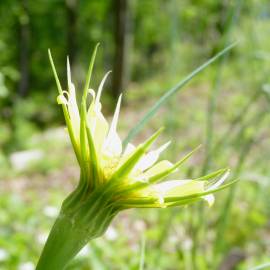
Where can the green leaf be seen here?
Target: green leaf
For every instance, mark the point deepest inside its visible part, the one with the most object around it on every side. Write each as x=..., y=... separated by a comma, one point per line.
x=135, y=130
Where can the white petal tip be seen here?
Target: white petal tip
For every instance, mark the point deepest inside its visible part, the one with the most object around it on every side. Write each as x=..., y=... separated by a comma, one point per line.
x=161, y=201
x=220, y=181
x=163, y=147
x=210, y=199
x=100, y=88
x=92, y=93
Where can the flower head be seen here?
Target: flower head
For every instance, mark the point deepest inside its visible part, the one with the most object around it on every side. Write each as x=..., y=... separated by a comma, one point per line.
x=130, y=177
x=113, y=177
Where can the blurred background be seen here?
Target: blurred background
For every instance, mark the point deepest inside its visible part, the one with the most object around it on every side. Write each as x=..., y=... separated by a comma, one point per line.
x=149, y=46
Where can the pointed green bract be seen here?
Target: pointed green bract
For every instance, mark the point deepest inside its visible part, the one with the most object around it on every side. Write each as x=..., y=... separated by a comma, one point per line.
x=65, y=111
x=83, y=124
x=135, y=157
x=59, y=87
x=93, y=162
x=162, y=175
x=89, y=73
x=213, y=174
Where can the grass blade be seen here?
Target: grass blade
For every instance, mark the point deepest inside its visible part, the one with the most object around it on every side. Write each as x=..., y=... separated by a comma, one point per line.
x=142, y=257
x=262, y=266
x=135, y=130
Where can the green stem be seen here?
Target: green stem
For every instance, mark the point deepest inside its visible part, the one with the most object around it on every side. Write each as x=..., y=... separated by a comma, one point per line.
x=63, y=244
x=78, y=222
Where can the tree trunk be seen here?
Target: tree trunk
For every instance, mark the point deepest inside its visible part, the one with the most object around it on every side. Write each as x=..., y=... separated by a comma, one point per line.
x=121, y=41
x=24, y=47
x=71, y=13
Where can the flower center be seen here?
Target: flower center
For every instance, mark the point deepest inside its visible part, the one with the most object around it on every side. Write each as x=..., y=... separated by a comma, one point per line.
x=110, y=166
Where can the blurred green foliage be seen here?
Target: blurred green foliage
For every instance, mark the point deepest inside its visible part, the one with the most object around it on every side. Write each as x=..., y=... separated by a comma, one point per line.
x=226, y=108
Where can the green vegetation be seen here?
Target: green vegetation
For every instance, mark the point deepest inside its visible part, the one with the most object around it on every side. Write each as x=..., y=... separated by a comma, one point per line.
x=225, y=108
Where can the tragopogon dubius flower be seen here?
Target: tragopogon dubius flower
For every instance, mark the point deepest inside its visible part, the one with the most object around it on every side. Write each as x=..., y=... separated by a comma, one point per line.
x=112, y=178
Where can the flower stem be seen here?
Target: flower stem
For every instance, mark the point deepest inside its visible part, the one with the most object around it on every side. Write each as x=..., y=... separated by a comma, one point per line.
x=63, y=243
x=80, y=220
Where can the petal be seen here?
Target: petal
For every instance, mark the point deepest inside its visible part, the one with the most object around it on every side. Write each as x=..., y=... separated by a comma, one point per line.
x=210, y=199
x=127, y=167
x=179, y=188
x=150, y=158
x=72, y=104
x=98, y=124
x=113, y=144
x=100, y=88
x=129, y=149
x=158, y=168
x=220, y=181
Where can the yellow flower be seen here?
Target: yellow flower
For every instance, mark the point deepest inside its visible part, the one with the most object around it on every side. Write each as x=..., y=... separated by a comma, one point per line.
x=112, y=178
x=131, y=176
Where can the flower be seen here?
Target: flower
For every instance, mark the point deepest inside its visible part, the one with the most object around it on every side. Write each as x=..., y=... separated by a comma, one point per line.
x=132, y=176
x=112, y=178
